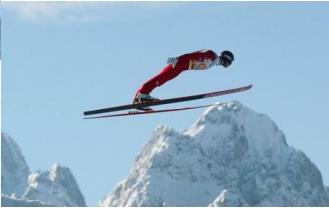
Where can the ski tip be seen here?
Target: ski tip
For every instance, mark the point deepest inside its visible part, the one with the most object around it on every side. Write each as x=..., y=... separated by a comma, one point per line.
x=247, y=87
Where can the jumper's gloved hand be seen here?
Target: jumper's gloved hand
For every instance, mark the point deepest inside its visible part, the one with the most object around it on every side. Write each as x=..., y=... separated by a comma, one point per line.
x=172, y=61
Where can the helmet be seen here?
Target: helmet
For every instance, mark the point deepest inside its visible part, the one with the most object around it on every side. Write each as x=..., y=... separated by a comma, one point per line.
x=226, y=58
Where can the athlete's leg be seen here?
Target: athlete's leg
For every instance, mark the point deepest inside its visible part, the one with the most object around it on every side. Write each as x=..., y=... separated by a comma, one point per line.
x=168, y=73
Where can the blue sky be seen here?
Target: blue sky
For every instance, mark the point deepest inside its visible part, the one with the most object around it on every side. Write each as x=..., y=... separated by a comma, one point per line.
x=60, y=59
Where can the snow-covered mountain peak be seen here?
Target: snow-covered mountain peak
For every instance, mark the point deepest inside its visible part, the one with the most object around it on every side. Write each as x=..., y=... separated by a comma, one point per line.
x=55, y=174
x=59, y=174
x=231, y=156
x=55, y=186
x=14, y=169
x=220, y=121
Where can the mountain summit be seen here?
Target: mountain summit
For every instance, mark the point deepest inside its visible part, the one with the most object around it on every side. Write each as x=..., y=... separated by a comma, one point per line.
x=231, y=156
x=20, y=187
x=14, y=169
x=56, y=186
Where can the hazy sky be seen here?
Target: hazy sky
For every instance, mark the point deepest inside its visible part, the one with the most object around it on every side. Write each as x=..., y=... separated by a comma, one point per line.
x=60, y=59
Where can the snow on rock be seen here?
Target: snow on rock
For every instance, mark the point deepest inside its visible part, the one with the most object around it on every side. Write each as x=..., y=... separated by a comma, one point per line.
x=56, y=186
x=219, y=200
x=231, y=156
x=14, y=170
x=7, y=201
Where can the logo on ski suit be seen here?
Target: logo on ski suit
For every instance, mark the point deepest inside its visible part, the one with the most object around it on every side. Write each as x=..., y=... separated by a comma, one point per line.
x=200, y=64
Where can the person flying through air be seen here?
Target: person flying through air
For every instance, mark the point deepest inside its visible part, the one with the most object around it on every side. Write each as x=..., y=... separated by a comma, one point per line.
x=198, y=60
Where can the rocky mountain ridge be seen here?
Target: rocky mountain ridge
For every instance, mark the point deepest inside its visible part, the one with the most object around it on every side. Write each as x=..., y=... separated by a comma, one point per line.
x=231, y=156
x=56, y=187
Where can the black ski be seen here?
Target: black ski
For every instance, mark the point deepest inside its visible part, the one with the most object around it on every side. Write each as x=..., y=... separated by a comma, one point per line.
x=167, y=101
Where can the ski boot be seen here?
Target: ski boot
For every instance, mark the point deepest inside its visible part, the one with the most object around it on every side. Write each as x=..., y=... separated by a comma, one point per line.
x=144, y=98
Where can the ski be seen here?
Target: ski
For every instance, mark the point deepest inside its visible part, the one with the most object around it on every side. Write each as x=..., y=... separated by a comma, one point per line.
x=167, y=101
x=150, y=112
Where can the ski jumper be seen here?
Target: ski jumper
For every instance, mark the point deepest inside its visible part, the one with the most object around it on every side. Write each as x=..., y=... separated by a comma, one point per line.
x=198, y=60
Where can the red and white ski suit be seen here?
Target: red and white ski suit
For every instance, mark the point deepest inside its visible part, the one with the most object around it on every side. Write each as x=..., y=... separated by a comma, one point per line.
x=198, y=60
